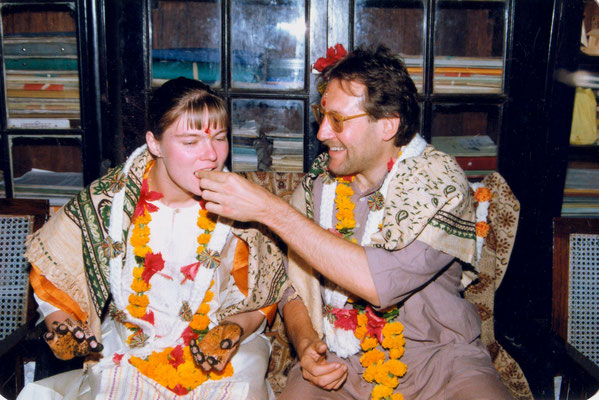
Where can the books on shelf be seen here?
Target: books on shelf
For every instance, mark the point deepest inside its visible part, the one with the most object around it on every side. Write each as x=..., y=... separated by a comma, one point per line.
x=287, y=163
x=57, y=187
x=39, y=123
x=287, y=150
x=465, y=146
x=204, y=64
x=42, y=79
x=473, y=153
x=460, y=74
x=581, y=193
x=244, y=159
x=244, y=156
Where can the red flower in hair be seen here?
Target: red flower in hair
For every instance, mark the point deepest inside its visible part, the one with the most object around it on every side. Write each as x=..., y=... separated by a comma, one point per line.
x=334, y=54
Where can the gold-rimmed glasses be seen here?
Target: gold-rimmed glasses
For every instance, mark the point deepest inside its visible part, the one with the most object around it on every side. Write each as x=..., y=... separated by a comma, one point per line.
x=335, y=119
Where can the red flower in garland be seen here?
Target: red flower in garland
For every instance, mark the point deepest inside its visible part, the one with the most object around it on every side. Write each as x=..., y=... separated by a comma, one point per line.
x=346, y=319
x=116, y=358
x=375, y=325
x=334, y=54
x=152, y=264
x=149, y=317
x=189, y=334
x=190, y=271
x=179, y=390
x=145, y=196
x=175, y=358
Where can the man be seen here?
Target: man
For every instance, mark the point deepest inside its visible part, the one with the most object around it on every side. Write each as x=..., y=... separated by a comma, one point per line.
x=377, y=276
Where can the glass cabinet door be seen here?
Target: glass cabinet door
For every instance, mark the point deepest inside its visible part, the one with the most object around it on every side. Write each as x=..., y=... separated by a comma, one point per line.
x=268, y=44
x=268, y=135
x=186, y=41
x=41, y=66
x=397, y=24
x=254, y=55
x=469, y=46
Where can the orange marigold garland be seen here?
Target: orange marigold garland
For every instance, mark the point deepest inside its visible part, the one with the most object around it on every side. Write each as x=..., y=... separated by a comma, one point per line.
x=483, y=196
x=148, y=263
x=370, y=329
x=173, y=367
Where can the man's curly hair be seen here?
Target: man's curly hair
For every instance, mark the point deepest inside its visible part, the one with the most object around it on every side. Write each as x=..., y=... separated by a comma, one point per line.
x=390, y=92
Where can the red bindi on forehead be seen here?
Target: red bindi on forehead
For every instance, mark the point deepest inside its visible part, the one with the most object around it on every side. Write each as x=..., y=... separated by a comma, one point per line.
x=208, y=132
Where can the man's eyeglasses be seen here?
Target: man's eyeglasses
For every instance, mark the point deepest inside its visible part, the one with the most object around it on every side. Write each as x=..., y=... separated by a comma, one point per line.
x=335, y=119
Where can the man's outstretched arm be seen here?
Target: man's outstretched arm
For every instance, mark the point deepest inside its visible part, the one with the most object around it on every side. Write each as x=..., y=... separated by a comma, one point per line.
x=339, y=260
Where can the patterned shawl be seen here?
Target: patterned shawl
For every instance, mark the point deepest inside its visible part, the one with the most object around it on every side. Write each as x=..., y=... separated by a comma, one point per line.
x=428, y=199
x=73, y=249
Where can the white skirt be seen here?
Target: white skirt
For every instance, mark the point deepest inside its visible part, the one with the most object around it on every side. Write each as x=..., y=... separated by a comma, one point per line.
x=125, y=382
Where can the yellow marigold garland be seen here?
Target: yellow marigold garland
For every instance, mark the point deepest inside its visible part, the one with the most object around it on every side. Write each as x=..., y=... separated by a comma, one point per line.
x=345, y=208
x=386, y=374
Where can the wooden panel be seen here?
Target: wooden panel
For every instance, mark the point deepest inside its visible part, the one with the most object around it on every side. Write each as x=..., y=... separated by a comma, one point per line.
x=562, y=229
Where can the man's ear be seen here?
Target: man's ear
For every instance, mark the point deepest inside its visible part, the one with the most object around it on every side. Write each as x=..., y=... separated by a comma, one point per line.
x=390, y=126
x=153, y=144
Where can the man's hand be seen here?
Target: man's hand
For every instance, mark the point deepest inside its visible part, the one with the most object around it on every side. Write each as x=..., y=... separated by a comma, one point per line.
x=218, y=346
x=316, y=369
x=234, y=197
x=69, y=337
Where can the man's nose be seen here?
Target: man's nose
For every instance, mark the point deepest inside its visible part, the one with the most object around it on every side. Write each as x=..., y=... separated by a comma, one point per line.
x=325, y=131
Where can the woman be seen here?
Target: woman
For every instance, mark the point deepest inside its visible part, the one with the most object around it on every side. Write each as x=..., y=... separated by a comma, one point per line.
x=187, y=294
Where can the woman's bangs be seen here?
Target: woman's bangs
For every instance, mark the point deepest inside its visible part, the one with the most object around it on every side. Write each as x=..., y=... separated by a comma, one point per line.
x=206, y=112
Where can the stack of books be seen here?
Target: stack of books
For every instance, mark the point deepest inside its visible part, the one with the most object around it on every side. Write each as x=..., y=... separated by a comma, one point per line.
x=244, y=156
x=42, y=81
x=288, y=150
x=460, y=74
x=477, y=155
x=581, y=191
x=57, y=187
x=204, y=64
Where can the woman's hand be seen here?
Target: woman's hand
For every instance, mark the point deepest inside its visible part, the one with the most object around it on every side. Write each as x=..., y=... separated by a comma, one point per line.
x=218, y=346
x=69, y=337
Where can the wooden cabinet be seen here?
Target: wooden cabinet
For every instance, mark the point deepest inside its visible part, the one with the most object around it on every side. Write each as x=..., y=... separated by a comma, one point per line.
x=50, y=119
